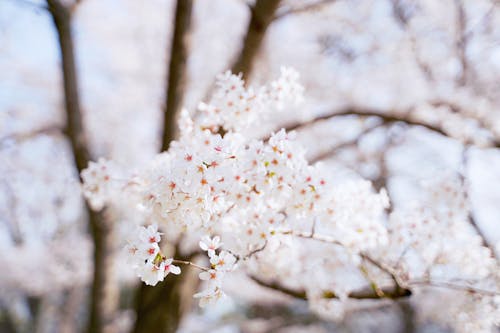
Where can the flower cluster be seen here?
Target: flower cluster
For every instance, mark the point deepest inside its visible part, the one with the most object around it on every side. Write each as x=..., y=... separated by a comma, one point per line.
x=249, y=191
x=97, y=183
x=220, y=264
x=146, y=258
x=234, y=107
x=434, y=237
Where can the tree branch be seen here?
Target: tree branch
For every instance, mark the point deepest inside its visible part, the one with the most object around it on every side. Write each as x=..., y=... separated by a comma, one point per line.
x=463, y=179
x=177, y=71
x=386, y=117
x=400, y=289
x=308, y=7
x=158, y=308
x=103, y=301
x=390, y=293
x=461, y=42
x=19, y=137
x=349, y=143
x=262, y=14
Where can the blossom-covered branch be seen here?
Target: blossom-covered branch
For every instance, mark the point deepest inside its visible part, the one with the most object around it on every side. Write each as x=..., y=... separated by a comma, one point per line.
x=260, y=206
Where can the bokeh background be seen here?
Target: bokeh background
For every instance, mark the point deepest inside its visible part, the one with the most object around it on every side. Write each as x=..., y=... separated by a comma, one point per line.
x=417, y=82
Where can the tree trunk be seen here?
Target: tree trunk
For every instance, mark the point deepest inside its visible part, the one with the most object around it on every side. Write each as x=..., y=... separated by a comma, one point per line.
x=103, y=301
x=161, y=308
x=176, y=85
x=262, y=15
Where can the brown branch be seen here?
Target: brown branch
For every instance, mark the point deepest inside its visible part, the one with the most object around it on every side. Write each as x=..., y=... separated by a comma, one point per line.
x=349, y=143
x=399, y=285
x=158, y=308
x=262, y=14
x=386, y=117
x=390, y=293
x=306, y=8
x=400, y=289
x=453, y=286
x=177, y=70
x=13, y=222
x=402, y=18
x=20, y=137
x=460, y=109
x=300, y=294
x=103, y=301
x=461, y=42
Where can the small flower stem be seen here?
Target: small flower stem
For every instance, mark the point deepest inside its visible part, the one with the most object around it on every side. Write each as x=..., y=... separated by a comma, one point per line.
x=189, y=263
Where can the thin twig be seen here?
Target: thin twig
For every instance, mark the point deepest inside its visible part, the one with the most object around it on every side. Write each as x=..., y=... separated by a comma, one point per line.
x=349, y=143
x=19, y=137
x=306, y=8
x=461, y=42
x=31, y=3
x=454, y=286
x=189, y=263
x=463, y=179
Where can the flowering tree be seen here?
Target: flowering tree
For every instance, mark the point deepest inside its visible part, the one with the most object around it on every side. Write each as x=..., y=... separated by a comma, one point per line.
x=374, y=190
x=257, y=205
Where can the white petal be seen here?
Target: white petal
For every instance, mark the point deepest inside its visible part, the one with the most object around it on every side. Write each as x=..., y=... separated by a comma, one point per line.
x=175, y=270
x=203, y=246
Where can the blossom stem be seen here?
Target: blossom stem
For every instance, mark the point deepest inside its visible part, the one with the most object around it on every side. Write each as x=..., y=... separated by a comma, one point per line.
x=189, y=263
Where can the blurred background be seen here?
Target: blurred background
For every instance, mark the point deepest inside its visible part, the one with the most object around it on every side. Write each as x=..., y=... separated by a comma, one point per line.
x=402, y=92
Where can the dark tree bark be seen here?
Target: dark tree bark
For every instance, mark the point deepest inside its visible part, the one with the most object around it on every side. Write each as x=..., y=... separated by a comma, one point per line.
x=263, y=13
x=177, y=70
x=103, y=300
x=159, y=308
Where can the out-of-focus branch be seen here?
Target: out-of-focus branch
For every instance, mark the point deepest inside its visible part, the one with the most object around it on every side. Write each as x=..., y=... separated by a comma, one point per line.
x=20, y=137
x=461, y=42
x=31, y=3
x=389, y=117
x=390, y=293
x=386, y=117
x=463, y=179
x=177, y=70
x=262, y=15
x=12, y=222
x=305, y=8
x=402, y=17
x=349, y=143
x=453, y=286
x=400, y=289
x=103, y=301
